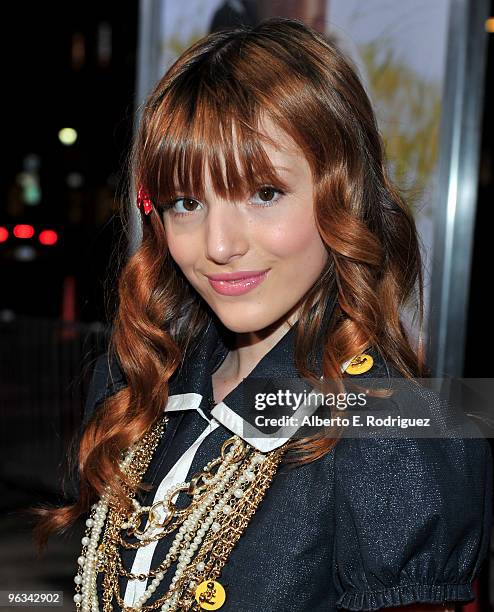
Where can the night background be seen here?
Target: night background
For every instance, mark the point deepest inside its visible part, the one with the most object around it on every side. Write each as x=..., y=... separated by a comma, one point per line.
x=66, y=65
x=73, y=66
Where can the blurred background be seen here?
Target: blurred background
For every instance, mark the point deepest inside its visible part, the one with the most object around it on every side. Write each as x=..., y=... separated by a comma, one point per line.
x=74, y=77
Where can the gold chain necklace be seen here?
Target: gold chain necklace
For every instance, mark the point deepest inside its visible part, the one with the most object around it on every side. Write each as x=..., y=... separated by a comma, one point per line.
x=222, y=505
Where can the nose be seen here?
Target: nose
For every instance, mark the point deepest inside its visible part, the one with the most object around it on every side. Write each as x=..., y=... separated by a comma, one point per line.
x=226, y=232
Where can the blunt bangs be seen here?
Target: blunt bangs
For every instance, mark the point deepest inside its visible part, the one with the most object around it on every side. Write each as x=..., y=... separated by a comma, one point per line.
x=199, y=125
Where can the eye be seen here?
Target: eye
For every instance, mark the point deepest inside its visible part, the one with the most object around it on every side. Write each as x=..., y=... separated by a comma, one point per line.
x=188, y=205
x=266, y=198
x=265, y=192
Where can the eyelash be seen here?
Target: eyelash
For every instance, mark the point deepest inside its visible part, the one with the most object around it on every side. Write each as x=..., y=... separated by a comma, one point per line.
x=170, y=205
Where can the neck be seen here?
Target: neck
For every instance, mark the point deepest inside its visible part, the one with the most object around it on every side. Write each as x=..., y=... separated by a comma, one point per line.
x=250, y=347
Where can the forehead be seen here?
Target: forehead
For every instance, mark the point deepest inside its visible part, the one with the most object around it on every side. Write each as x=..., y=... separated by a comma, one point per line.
x=277, y=142
x=281, y=149
x=231, y=157
x=283, y=152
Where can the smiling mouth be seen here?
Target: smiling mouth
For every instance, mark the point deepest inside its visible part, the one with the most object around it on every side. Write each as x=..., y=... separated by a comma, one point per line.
x=237, y=286
x=233, y=276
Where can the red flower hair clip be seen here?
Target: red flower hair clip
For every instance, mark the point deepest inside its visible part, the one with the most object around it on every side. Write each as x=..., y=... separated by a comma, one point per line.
x=144, y=200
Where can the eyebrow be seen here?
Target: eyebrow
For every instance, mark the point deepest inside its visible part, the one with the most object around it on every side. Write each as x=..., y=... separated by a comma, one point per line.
x=283, y=168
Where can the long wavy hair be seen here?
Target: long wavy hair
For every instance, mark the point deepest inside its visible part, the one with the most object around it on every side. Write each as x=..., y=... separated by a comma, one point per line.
x=207, y=106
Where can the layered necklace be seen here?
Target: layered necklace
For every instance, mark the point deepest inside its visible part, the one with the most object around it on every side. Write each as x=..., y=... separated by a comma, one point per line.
x=223, y=497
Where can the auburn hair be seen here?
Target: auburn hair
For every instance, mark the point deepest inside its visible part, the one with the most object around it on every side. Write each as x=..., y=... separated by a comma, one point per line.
x=209, y=105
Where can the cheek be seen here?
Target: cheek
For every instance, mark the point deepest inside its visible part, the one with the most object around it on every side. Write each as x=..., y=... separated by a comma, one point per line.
x=181, y=249
x=296, y=237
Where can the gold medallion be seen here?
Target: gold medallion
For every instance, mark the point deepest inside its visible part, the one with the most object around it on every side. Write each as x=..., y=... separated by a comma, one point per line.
x=360, y=364
x=210, y=595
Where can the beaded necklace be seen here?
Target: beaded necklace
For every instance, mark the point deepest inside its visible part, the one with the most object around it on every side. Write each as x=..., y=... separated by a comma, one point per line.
x=222, y=504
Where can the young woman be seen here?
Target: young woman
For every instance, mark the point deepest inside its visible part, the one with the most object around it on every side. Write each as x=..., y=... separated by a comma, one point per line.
x=274, y=248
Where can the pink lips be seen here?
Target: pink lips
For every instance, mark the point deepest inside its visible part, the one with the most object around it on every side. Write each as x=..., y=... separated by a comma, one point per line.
x=236, y=283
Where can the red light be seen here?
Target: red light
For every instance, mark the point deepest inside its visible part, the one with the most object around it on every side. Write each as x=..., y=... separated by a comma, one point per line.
x=23, y=231
x=48, y=237
x=4, y=234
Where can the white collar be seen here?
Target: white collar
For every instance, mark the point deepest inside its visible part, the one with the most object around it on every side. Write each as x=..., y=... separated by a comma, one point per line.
x=230, y=419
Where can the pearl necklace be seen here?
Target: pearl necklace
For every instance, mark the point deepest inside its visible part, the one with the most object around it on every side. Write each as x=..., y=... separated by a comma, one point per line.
x=214, y=502
x=85, y=580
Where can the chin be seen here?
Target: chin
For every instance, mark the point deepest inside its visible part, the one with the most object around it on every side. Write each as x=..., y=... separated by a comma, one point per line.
x=239, y=325
x=238, y=320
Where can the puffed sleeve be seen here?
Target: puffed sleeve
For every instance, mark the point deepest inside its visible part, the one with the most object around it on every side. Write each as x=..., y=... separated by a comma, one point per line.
x=412, y=519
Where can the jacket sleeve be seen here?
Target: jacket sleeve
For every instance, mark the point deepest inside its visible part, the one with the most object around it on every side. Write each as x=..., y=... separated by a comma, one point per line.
x=106, y=379
x=412, y=519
